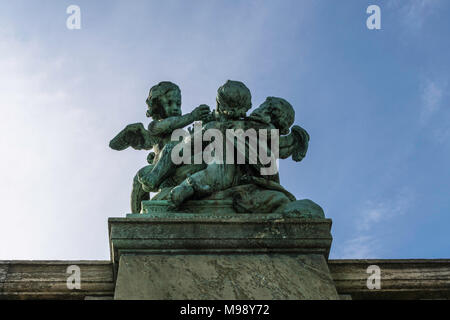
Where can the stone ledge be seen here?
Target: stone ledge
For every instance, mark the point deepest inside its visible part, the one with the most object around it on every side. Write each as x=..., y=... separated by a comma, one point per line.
x=238, y=233
x=400, y=278
x=48, y=279
x=405, y=279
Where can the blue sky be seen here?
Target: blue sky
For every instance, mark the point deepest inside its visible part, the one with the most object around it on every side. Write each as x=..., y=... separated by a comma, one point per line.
x=375, y=102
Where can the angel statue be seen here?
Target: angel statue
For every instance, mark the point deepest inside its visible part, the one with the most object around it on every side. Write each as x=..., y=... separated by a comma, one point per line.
x=164, y=107
x=250, y=190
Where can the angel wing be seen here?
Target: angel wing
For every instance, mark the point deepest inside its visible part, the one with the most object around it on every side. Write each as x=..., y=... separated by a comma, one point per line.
x=135, y=136
x=301, y=141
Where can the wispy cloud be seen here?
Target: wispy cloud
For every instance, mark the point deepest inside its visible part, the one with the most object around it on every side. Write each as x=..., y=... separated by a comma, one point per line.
x=442, y=134
x=431, y=95
x=415, y=13
x=365, y=243
x=359, y=247
x=54, y=152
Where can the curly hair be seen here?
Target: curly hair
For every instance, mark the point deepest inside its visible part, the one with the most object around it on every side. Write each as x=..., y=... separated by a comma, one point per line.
x=153, y=101
x=232, y=95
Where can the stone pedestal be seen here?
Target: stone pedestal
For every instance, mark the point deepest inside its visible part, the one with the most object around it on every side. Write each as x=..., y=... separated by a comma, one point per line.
x=237, y=256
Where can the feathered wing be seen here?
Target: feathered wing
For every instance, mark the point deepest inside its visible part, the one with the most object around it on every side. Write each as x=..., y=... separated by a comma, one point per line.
x=135, y=136
x=301, y=137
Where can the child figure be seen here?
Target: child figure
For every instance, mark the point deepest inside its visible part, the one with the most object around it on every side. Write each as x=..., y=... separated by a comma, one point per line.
x=164, y=106
x=233, y=101
x=279, y=114
x=274, y=113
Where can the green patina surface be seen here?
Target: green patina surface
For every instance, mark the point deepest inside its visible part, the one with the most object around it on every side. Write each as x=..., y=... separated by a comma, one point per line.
x=223, y=188
x=226, y=256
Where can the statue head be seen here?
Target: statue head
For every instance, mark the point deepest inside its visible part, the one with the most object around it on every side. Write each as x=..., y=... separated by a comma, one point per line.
x=233, y=100
x=277, y=111
x=164, y=100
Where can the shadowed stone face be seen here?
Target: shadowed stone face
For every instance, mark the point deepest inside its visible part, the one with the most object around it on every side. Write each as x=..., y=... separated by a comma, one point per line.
x=163, y=100
x=276, y=111
x=171, y=103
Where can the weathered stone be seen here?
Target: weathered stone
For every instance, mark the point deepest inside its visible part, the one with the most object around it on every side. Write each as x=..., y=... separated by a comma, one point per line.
x=200, y=233
x=401, y=279
x=303, y=208
x=48, y=279
x=208, y=256
x=225, y=276
x=161, y=208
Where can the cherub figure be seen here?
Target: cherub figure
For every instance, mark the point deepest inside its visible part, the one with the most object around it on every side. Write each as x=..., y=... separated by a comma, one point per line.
x=233, y=101
x=274, y=113
x=164, y=107
x=279, y=114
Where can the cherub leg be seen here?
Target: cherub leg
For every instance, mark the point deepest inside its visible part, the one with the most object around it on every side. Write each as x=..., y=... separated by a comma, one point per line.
x=215, y=177
x=161, y=170
x=138, y=192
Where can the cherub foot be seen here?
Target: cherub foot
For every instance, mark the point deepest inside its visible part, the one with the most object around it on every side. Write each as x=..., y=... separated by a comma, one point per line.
x=203, y=189
x=179, y=194
x=148, y=183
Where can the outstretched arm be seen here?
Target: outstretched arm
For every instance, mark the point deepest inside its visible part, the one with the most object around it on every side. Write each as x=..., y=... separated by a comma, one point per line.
x=168, y=125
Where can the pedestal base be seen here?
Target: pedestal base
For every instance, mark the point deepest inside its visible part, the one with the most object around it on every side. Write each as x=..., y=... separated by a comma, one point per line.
x=224, y=277
x=240, y=256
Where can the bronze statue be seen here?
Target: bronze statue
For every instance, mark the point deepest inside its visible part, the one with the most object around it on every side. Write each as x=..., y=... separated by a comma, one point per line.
x=243, y=168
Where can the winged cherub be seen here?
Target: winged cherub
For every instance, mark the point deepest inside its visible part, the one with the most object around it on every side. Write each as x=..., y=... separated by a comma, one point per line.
x=164, y=107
